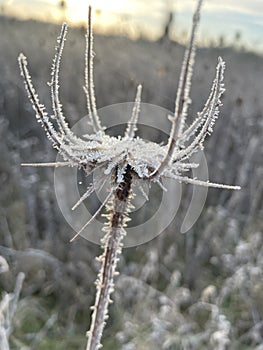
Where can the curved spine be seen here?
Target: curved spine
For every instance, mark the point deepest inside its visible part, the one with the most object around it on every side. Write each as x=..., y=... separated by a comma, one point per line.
x=89, y=83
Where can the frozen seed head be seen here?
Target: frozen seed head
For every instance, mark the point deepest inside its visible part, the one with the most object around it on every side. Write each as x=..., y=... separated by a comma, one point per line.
x=146, y=160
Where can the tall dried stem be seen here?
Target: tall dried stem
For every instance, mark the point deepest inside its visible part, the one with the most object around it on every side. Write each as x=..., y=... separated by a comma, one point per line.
x=117, y=209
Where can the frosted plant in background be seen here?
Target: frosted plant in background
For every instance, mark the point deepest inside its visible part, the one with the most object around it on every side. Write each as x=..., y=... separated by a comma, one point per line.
x=8, y=306
x=126, y=160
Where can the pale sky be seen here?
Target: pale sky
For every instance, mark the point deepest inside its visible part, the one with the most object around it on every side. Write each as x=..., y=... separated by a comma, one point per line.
x=219, y=17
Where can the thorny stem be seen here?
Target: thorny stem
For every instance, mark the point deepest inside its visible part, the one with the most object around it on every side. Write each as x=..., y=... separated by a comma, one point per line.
x=112, y=244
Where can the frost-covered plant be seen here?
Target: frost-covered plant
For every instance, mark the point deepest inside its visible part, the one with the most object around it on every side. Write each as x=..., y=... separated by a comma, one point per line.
x=8, y=306
x=127, y=160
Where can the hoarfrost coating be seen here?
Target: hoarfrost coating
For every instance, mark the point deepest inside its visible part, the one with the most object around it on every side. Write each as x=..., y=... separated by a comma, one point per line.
x=124, y=159
x=148, y=161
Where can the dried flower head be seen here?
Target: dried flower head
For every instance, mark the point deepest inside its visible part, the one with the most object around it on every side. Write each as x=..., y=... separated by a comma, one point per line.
x=126, y=158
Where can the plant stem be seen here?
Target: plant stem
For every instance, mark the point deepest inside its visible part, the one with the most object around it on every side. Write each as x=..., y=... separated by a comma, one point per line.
x=112, y=245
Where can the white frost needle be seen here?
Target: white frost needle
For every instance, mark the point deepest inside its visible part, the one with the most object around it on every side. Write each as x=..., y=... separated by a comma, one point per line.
x=144, y=194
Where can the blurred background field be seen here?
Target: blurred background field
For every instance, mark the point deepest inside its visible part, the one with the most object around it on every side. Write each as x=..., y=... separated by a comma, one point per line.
x=201, y=290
